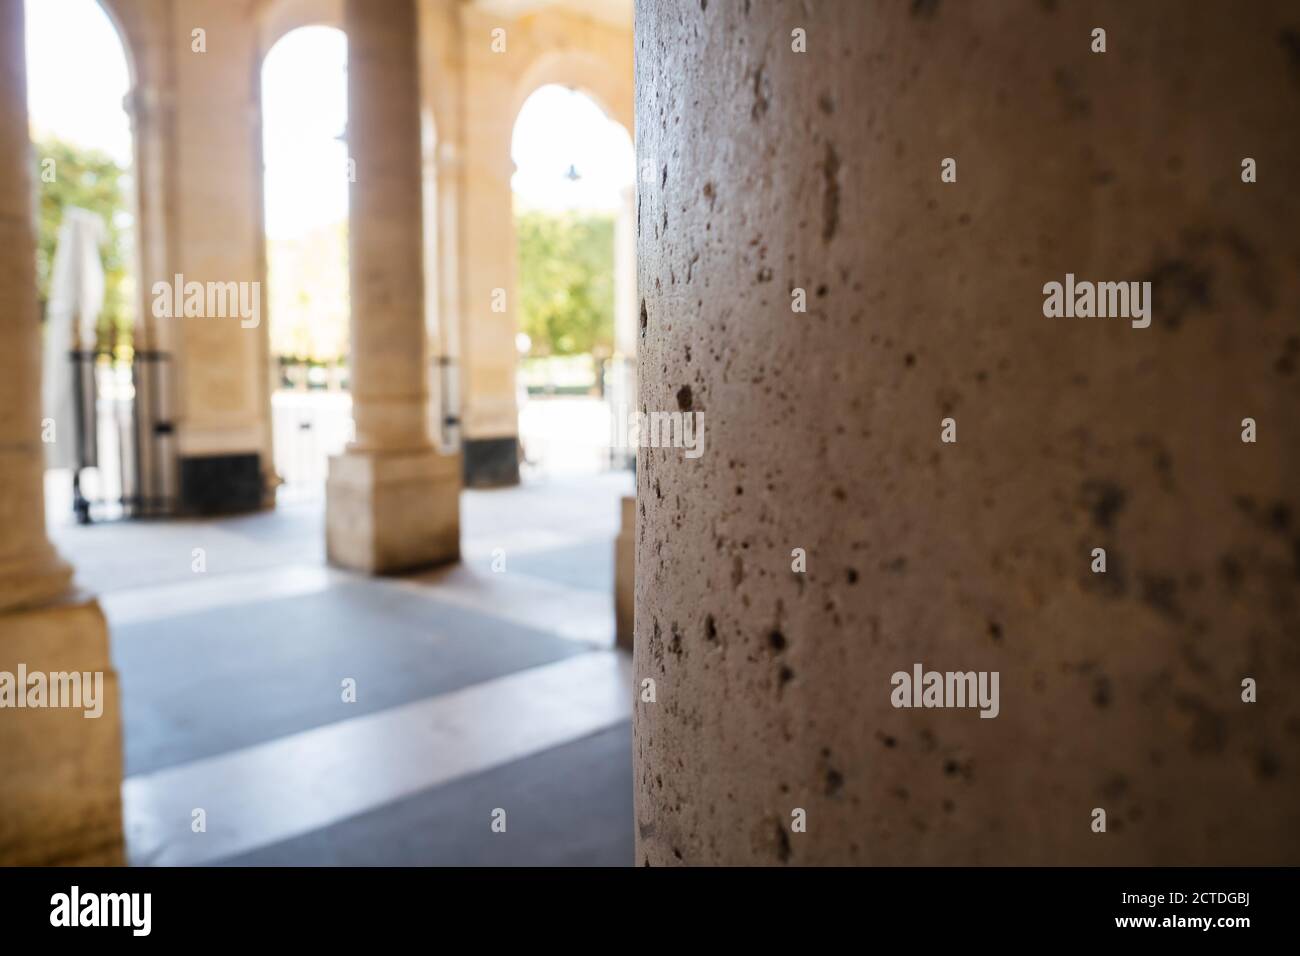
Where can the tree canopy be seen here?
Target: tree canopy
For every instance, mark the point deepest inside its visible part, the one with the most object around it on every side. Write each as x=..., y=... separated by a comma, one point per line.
x=93, y=181
x=566, y=282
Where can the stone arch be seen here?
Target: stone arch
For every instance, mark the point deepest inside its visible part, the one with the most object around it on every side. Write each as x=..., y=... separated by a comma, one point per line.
x=140, y=33
x=278, y=18
x=599, y=79
x=584, y=71
x=113, y=10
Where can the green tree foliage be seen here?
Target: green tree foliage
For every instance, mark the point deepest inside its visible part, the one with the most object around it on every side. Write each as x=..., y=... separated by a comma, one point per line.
x=566, y=282
x=91, y=180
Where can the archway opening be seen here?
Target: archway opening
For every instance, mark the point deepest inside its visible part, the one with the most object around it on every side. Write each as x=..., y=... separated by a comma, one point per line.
x=83, y=156
x=305, y=197
x=574, y=227
x=575, y=305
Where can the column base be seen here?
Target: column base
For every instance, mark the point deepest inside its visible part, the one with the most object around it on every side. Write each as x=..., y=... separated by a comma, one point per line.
x=221, y=484
x=491, y=462
x=389, y=512
x=61, y=785
x=33, y=579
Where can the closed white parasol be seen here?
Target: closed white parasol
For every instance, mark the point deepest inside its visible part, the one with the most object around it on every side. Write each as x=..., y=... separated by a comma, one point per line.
x=76, y=299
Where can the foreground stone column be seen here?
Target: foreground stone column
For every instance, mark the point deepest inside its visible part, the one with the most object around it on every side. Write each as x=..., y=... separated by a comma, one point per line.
x=392, y=502
x=60, y=772
x=777, y=175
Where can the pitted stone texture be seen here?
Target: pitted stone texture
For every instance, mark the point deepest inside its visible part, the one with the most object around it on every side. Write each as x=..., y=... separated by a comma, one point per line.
x=763, y=171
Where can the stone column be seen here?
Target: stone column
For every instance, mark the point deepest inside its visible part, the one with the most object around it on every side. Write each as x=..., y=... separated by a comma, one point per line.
x=782, y=177
x=30, y=570
x=441, y=93
x=60, y=773
x=487, y=252
x=441, y=172
x=392, y=502
x=210, y=122
x=153, y=123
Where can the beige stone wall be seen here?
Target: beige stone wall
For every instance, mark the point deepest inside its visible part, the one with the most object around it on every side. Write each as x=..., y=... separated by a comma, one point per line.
x=196, y=121
x=774, y=171
x=217, y=232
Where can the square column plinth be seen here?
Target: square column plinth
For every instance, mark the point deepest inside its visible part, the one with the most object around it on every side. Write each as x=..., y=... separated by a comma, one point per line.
x=388, y=512
x=61, y=786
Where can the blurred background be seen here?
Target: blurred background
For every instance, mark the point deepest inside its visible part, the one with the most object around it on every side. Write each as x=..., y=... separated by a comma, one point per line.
x=253, y=675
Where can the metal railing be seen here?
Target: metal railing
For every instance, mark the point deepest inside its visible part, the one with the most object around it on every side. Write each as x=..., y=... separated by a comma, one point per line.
x=123, y=458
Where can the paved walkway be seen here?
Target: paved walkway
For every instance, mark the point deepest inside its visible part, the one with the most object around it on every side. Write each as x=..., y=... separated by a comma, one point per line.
x=321, y=717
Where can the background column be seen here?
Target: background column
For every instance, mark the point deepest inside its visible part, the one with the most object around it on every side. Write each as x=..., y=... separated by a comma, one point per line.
x=488, y=255
x=778, y=174
x=207, y=115
x=392, y=501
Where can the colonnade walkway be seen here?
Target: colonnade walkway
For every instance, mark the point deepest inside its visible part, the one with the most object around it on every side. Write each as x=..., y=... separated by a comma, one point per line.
x=316, y=716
